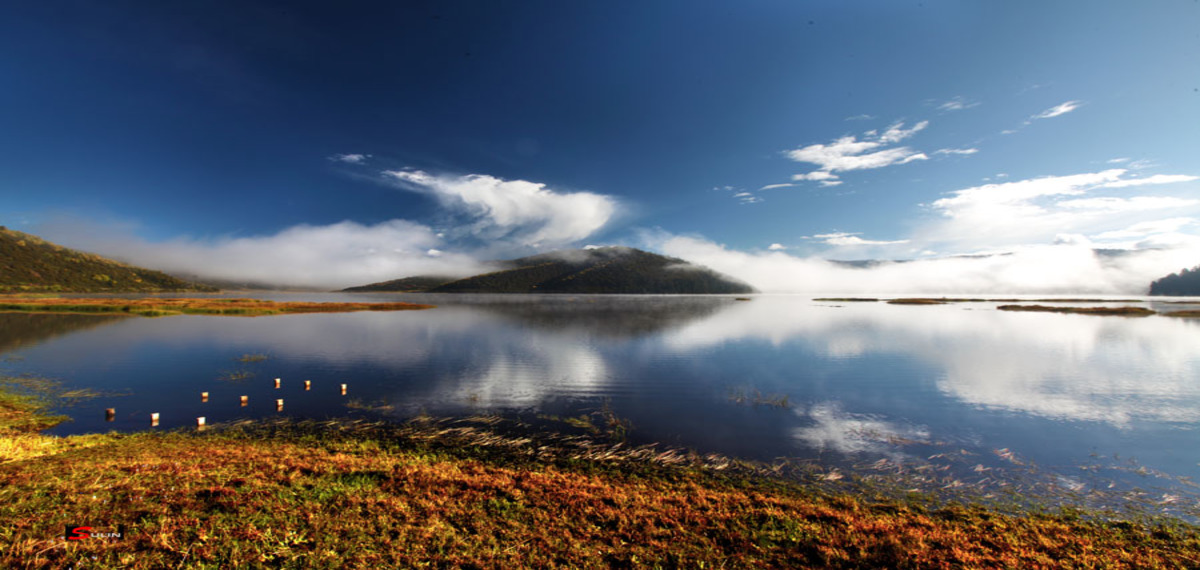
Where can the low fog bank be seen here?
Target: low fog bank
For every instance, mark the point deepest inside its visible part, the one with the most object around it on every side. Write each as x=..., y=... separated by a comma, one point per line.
x=348, y=254
x=327, y=257
x=1047, y=270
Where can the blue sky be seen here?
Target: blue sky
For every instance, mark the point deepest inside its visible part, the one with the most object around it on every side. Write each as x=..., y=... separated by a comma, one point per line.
x=377, y=139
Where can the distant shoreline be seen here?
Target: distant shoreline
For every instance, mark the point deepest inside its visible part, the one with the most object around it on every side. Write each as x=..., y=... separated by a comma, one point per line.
x=158, y=307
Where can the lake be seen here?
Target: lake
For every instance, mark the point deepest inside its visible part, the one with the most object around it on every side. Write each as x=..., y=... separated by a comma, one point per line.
x=955, y=394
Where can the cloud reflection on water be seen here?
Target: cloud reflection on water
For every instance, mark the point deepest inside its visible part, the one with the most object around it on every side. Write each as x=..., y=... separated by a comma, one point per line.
x=1067, y=367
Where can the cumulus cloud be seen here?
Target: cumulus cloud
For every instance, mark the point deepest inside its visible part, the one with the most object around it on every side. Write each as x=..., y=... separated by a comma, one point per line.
x=331, y=256
x=849, y=153
x=776, y=247
x=352, y=158
x=526, y=213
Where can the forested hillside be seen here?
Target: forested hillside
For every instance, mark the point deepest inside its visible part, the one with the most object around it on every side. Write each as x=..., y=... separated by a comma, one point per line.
x=585, y=271
x=31, y=264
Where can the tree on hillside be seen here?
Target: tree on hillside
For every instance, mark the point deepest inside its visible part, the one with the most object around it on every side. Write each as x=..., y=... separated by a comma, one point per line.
x=1184, y=283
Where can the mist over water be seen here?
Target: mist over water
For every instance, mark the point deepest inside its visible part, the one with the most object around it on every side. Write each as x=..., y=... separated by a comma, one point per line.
x=839, y=383
x=1049, y=270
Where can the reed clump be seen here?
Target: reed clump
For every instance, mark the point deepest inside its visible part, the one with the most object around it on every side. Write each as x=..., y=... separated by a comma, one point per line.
x=1115, y=311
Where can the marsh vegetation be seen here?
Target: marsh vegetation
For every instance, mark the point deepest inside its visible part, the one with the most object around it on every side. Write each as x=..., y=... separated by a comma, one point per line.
x=485, y=492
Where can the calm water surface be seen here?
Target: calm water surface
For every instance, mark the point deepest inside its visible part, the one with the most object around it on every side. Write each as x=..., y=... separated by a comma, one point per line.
x=1091, y=401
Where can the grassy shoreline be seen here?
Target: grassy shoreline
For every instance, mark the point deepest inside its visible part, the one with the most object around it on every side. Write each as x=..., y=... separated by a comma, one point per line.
x=475, y=493
x=155, y=307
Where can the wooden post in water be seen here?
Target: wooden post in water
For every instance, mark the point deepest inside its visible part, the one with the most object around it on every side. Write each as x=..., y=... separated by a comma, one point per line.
x=245, y=400
x=200, y=421
x=154, y=419
x=203, y=396
x=279, y=405
x=343, y=389
x=308, y=384
x=110, y=414
x=277, y=382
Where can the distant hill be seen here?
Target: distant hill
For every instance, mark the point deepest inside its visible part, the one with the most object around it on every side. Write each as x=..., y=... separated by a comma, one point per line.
x=406, y=285
x=1184, y=283
x=30, y=264
x=612, y=270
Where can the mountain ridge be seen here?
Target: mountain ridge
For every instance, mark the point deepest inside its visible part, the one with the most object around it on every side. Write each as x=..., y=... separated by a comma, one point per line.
x=606, y=270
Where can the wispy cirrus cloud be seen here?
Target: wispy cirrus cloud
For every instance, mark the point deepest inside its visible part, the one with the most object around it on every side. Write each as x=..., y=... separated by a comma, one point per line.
x=351, y=158
x=850, y=239
x=956, y=151
x=1057, y=110
x=957, y=103
x=874, y=150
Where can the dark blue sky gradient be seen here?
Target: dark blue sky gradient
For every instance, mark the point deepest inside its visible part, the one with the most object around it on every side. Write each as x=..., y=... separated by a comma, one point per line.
x=205, y=119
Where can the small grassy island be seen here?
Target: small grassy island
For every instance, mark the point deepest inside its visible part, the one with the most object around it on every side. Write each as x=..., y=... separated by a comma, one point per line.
x=474, y=493
x=152, y=307
x=1115, y=311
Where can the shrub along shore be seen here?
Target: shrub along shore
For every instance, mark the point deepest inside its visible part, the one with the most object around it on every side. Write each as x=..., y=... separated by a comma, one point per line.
x=478, y=492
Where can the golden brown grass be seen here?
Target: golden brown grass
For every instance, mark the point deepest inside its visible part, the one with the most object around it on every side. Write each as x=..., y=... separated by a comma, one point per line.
x=1117, y=311
x=154, y=307
x=470, y=494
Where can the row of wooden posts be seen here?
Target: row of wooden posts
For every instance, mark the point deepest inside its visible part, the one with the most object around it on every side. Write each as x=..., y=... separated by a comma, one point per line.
x=110, y=414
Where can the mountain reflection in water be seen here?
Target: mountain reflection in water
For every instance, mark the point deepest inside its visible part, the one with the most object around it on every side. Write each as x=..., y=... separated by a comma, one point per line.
x=779, y=376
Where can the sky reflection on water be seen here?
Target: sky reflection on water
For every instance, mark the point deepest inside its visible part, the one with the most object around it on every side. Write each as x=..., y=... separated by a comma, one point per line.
x=861, y=380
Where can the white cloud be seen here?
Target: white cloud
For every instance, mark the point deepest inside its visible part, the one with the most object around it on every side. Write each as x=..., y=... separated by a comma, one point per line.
x=1137, y=203
x=863, y=117
x=1144, y=229
x=742, y=194
x=961, y=151
x=1156, y=179
x=352, y=158
x=776, y=247
x=331, y=256
x=1057, y=110
x=957, y=104
x=527, y=213
x=850, y=153
x=1117, y=160
x=1033, y=211
x=835, y=430
x=1046, y=269
x=815, y=175
x=774, y=186
x=851, y=239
